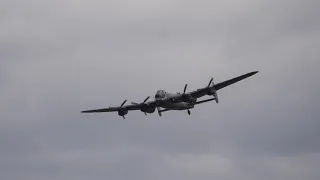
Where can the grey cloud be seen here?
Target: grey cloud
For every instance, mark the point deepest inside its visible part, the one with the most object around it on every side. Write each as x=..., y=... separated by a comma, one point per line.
x=60, y=57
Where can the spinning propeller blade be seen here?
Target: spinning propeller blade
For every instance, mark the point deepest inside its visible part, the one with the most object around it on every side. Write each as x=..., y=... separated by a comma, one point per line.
x=134, y=103
x=210, y=82
x=185, y=88
x=146, y=99
x=215, y=95
x=123, y=103
x=159, y=111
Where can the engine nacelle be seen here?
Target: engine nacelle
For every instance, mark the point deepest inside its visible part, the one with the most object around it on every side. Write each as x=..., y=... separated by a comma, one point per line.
x=147, y=109
x=122, y=112
x=211, y=92
x=188, y=98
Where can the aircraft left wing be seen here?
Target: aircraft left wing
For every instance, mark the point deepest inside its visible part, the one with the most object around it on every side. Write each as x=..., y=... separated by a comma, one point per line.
x=210, y=89
x=204, y=91
x=113, y=109
x=146, y=107
x=122, y=110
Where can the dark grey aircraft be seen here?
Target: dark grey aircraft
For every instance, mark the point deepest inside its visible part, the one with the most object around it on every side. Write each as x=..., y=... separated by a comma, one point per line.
x=180, y=101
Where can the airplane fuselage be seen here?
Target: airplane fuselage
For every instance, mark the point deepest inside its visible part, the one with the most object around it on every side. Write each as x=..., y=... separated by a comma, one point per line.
x=161, y=94
x=177, y=106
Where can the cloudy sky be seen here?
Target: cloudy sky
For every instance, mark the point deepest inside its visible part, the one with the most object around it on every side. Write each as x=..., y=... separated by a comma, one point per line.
x=59, y=57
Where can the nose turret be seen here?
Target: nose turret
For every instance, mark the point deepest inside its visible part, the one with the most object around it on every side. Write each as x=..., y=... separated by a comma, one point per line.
x=160, y=94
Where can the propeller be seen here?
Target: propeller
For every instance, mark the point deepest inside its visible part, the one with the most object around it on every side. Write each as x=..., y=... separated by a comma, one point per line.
x=123, y=103
x=121, y=107
x=185, y=88
x=134, y=103
x=159, y=111
x=183, y=94
x=186, y=97
x=213, y=91
x=146, y=99
x=210, y=82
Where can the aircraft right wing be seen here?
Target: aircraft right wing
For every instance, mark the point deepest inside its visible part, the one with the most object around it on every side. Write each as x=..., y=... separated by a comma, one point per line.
x=112, y=109
x=204, y=91
x=210, y=89
x=146, y=107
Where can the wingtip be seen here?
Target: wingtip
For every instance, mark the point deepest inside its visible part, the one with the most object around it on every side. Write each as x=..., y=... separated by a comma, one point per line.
x=254, y=72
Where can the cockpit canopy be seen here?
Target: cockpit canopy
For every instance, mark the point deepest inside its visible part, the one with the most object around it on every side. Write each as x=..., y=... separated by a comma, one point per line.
x=160, y=94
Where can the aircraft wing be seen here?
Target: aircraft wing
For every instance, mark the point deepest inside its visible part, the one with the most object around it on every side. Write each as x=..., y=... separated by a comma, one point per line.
x=211, y=88
x=133, y=106
x=113, y=109
x=202, y=92
x=100, y=110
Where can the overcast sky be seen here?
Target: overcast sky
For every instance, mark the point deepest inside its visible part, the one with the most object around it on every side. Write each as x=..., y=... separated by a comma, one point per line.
x=59, y=57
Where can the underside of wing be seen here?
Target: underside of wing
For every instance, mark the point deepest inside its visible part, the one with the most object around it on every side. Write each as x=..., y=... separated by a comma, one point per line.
x=232, y=81
x=101, y=110
x=202, y=92
x=164, y=110
x=112, y=109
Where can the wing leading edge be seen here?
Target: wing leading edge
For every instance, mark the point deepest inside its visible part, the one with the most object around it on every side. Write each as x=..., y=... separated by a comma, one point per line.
x=127, y=107
x=202, y=92
x=101, y=110
x=234, y=80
